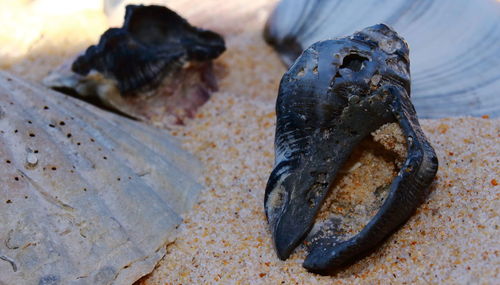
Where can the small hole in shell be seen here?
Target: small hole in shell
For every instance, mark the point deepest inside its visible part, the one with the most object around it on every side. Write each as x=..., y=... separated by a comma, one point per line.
x=353, y=62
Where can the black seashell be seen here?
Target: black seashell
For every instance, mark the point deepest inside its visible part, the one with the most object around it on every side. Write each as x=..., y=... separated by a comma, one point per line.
x=153, y=42
x=336, y=93
x=455, y=45
x=156, y=68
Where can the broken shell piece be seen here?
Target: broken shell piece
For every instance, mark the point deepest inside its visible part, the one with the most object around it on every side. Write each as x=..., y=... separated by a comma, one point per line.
x=326, y=105
x=455, y=45
x=95, y=199
x=156, y=63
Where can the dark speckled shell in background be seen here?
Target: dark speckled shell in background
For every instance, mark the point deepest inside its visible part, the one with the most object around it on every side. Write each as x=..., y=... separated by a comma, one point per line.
x=156, y=68
x=153, y=41
x=455, y=45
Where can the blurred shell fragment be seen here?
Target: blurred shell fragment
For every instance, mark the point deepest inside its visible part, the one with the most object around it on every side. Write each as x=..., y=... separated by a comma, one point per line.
x=455, y=45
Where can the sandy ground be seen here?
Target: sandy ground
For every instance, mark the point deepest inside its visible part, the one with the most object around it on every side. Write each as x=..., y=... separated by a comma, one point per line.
x=453, y=237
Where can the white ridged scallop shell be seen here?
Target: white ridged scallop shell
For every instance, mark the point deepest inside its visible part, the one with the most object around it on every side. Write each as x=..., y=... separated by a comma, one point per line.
x=87, y=197
x=455, y=45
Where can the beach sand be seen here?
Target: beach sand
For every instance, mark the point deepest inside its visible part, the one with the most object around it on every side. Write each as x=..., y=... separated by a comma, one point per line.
x=453, y=237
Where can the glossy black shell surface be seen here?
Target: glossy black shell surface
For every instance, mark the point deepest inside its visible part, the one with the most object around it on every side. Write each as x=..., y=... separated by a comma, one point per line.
x=335, y=94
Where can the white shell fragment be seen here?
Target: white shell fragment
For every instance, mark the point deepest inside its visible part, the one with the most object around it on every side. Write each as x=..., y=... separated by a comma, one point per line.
x=455, y=45
x=31, y=159
x=86, y=196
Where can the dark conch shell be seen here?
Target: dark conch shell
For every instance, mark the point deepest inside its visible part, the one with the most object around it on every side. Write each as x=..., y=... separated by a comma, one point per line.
x=335, y=94
x=455, y=45
x=153, y=41
x=155, y=53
